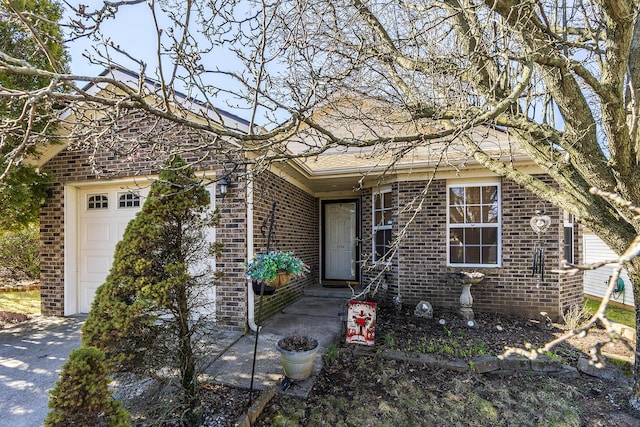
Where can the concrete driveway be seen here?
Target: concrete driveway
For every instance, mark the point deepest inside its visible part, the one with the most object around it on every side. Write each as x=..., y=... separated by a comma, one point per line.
x=31, y=356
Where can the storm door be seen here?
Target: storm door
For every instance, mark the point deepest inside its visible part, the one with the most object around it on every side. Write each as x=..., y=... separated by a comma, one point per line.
x=340, y=248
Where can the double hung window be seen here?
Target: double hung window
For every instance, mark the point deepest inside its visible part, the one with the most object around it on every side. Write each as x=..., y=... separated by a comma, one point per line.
x=568, y=237
x=473, y=224
x=382, y=225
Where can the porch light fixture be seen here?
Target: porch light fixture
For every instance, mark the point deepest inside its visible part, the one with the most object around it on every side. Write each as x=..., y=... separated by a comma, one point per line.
x=223, y=187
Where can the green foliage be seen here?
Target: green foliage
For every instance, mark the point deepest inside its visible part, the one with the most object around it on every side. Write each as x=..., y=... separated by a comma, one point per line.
x=82, y=395
x=19, y=249
x=149, y=313
x=613, y=313
x=389, y=339
x=553, y=355
x=452, y=347
x=332, y=354
x=22, y=192
x=29, y=122
x=265, y=267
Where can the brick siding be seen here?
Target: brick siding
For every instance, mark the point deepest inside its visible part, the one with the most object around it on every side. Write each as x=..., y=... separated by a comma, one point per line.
x=422, y=272
x=296, y=229
x=71, y=167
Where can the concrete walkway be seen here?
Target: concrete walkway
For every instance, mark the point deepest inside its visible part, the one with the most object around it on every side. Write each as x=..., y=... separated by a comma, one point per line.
x=32, y=354
x=319, y=317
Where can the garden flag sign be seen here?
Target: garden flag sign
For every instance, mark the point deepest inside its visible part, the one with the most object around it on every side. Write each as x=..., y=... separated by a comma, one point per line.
x=361, y=322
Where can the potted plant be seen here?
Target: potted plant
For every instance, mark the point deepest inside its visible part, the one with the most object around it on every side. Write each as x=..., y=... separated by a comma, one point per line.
x=298, y=353
x=275, y=268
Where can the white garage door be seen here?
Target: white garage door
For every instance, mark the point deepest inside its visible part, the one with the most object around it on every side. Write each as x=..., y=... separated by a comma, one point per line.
x=103, y=216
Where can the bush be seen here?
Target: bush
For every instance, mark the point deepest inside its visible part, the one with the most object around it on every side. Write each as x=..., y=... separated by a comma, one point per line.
x=82, y=395
x=575, y=316
x=153, y=309
x=19, y=250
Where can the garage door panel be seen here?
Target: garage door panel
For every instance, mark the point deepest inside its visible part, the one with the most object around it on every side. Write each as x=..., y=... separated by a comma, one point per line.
x=95, y=266
x=95, y=233
x=88, y=294
x=121, y=227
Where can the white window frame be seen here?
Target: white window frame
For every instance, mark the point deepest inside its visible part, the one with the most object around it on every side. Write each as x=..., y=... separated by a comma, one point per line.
x=497, y=224
x=133, y=199
x=568, y=224
x=375, y=227
x=104, y=198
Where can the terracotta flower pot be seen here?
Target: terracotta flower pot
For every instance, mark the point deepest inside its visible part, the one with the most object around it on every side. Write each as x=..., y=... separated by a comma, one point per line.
x=281, y=279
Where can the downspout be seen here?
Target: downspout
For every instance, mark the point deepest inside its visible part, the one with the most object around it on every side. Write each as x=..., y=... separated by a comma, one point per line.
x=251, y=296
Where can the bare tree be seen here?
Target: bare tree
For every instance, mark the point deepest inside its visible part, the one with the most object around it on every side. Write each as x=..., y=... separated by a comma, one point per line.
x=561, y=77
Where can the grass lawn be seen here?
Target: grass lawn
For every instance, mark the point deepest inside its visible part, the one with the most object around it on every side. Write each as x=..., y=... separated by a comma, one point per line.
x=615, y=314
x=21, y=302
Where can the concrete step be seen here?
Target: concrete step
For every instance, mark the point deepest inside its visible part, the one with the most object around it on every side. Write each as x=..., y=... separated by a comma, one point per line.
x=328, y=292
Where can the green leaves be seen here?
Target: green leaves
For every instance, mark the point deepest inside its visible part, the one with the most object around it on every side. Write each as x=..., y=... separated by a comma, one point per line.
x=265, y=267
x=144, y=316
x=82, y=395
x=26, y=121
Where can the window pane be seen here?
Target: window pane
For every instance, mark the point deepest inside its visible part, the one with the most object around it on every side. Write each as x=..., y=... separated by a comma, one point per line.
x=568, y=244
x=128, y=200
x=456, y=236
x=489, y=236
x=97, y=201
x=490, y=195
x=473, y=214
x=456, y=255
x=471, y=236
x=377, y=218
x=386, y=217
x=472, y=254
x=456, y=215
x=456, y=196
x=382, y=243
x=387, y=199
x=490, y=254
x=473, y=195
x=490, y=214
x=377, y=201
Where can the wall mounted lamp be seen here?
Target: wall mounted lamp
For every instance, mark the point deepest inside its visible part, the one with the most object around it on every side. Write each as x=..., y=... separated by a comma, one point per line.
x=223, y=187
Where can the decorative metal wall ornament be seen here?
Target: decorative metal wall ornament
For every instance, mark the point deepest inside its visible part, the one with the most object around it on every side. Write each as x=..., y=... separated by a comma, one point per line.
x=540, y=224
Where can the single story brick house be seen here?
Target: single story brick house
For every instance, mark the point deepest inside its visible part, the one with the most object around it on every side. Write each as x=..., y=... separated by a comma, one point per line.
x=339, y=211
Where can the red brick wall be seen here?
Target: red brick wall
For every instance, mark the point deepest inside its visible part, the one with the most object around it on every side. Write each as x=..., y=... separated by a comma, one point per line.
x=231, y=290
x=52, y=253
x=378, y=275
x=74, y=167
x=296, y=229
x=422, y=274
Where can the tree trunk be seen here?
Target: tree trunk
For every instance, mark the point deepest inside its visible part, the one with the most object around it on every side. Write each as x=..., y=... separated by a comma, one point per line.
x=187, y=362
x=633, y=271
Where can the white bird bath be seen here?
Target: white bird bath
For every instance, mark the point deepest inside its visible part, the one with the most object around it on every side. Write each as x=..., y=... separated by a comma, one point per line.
x=466, y=299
